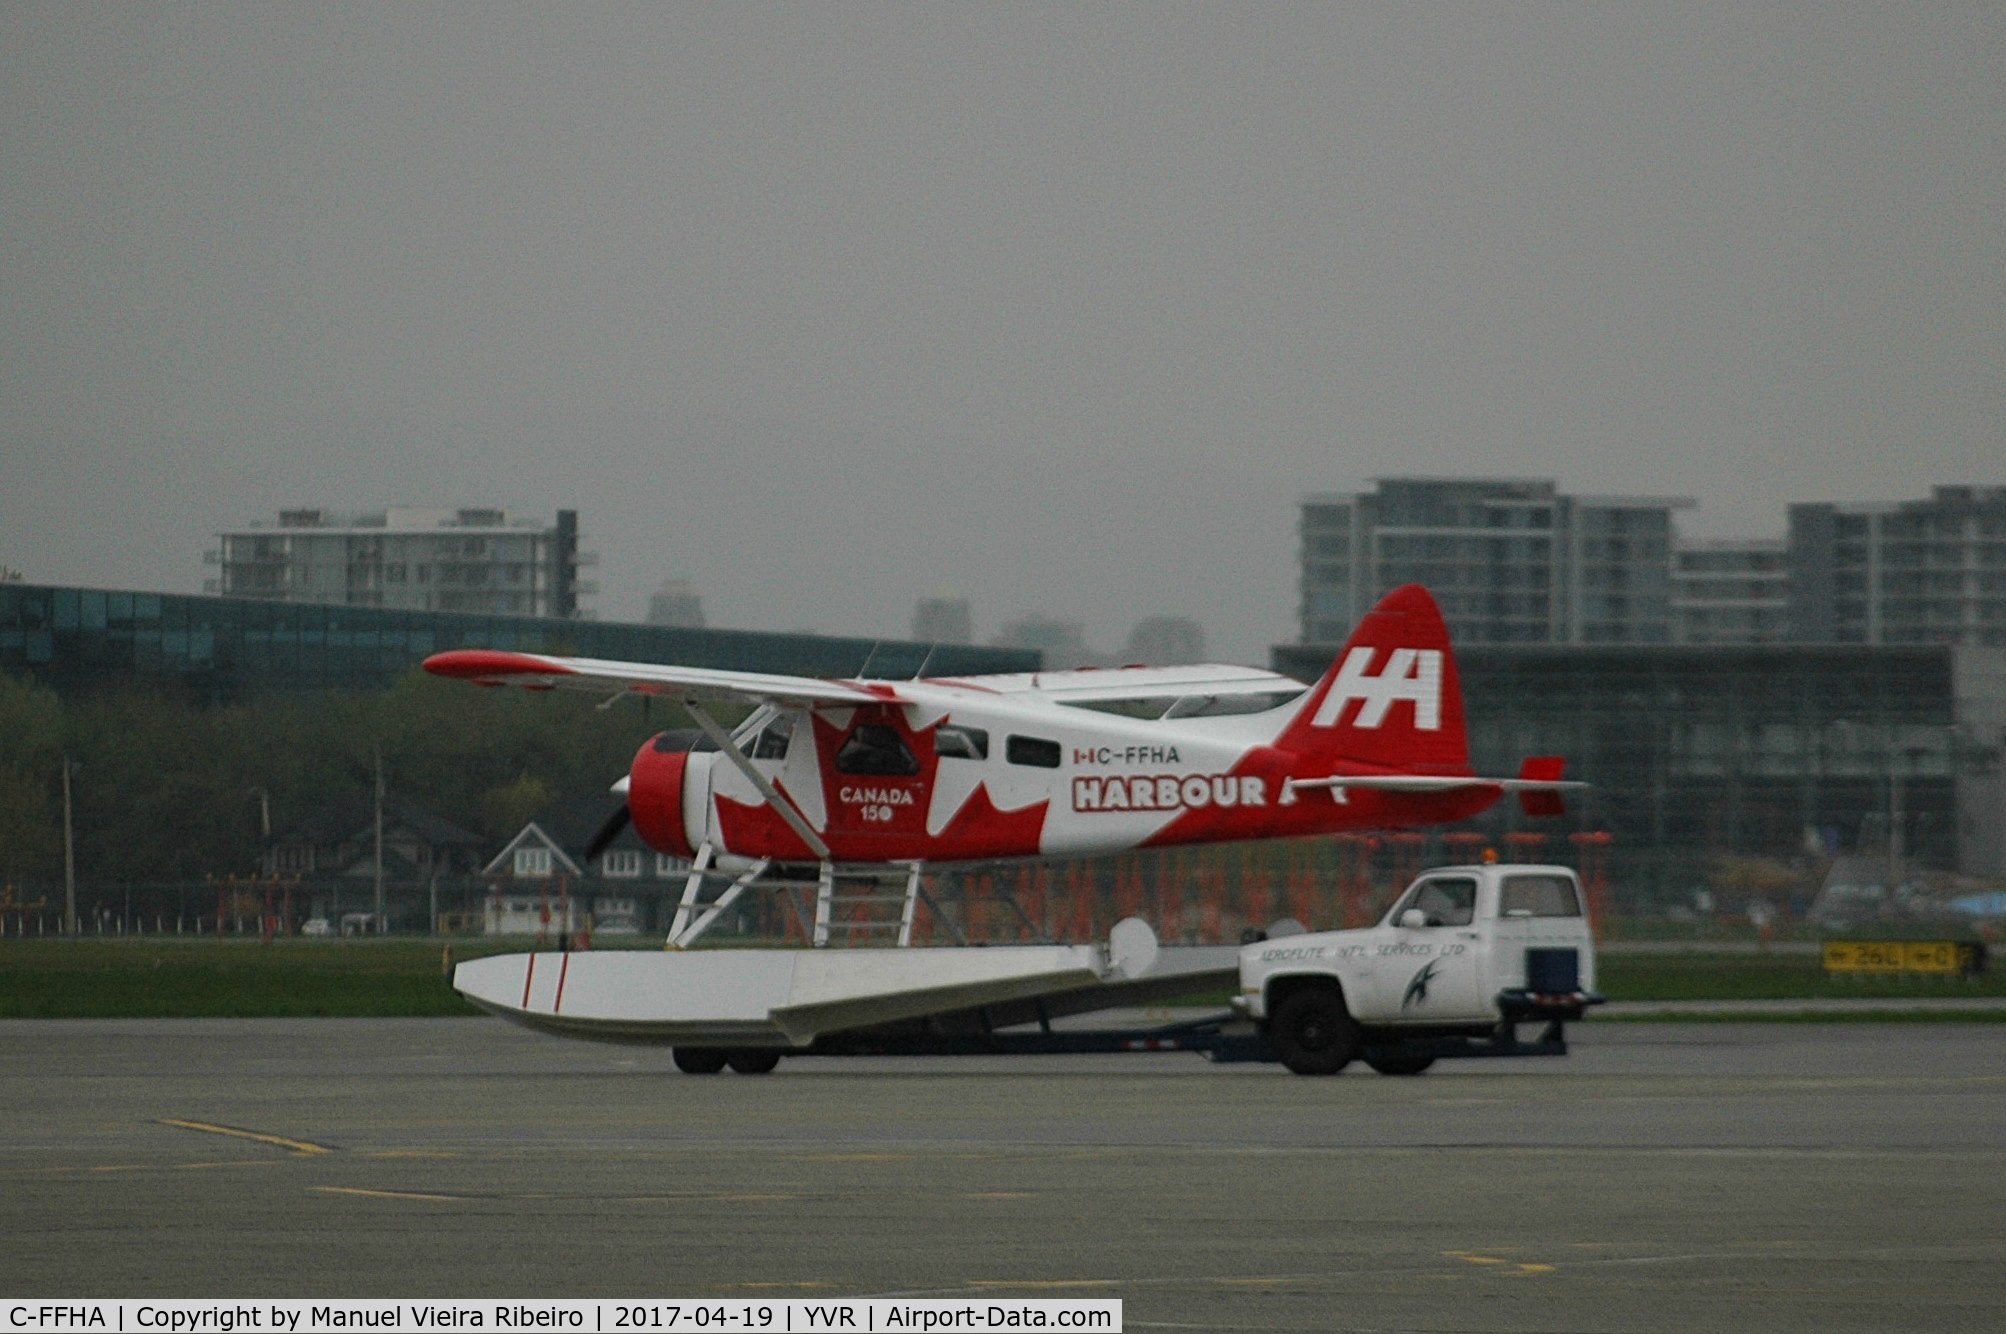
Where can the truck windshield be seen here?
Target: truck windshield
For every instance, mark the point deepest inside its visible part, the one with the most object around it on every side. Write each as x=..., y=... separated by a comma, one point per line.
x=1538, y=896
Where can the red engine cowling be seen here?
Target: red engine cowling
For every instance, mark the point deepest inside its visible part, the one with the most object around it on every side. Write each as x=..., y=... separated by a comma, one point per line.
x=655, y=794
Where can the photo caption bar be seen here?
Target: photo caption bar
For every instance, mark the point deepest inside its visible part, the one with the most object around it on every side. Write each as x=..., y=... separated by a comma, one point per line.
x=593, y=1316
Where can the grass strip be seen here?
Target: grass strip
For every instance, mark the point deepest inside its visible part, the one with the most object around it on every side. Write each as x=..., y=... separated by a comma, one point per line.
x=1985, y=1016
x=183, y=978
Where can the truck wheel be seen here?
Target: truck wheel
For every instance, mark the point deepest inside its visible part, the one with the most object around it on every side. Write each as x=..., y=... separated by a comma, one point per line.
x=1399, y=1064
x=698, y=1060
x=753, y=1061
x=1313, y=1033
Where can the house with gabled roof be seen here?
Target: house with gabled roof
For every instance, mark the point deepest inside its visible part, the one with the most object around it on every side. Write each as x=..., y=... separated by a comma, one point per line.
x=331, y=855
x=540, y=881
x=530, y=882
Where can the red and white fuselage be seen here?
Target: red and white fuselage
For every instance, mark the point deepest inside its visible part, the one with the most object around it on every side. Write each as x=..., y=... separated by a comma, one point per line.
x=1051, y=764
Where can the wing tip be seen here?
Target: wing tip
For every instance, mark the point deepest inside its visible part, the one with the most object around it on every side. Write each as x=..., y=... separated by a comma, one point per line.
x=486, y=665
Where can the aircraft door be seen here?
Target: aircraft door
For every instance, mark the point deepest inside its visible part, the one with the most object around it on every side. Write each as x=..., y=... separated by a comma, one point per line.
x=1432, y=968
x=876, y=773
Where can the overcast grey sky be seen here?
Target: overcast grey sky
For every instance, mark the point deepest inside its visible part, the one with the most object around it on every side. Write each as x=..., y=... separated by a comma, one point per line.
x=828, y=307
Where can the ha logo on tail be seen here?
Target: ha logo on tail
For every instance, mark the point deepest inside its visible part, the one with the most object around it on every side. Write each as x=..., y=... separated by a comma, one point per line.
x=1413, y=675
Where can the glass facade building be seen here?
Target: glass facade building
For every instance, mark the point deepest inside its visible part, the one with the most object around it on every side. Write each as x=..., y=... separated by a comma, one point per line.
x=1695, y=753
x=222, y=649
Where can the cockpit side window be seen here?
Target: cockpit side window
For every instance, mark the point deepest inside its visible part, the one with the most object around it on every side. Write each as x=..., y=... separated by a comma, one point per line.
x=771, y=743
x=876, y=751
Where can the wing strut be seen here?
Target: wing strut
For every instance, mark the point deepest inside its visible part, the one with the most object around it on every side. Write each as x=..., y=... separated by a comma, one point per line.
x=692, y=887
x=787, y=810
x=681, y=935
x=910, y=905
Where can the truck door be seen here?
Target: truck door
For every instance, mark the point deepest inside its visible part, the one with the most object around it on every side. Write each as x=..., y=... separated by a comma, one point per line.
x=1434, y=970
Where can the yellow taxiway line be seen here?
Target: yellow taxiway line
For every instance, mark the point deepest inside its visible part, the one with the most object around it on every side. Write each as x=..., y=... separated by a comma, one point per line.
x=299, y=1146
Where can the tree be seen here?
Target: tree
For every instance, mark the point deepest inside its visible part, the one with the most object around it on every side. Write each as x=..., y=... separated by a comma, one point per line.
x=171, y=790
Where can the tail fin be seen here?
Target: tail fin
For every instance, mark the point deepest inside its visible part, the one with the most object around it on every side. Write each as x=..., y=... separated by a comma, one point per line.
x=1392, y=698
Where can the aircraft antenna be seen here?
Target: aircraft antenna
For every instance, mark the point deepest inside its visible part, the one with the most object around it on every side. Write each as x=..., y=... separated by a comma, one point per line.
x=920, y=672
x=875, y=645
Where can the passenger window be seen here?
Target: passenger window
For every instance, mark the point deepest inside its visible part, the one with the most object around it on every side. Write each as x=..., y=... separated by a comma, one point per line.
x=877, y=751
x=961, y=743
x=1032, y=750
x=772, y=742
x=1538, y=896
x=1450, y=901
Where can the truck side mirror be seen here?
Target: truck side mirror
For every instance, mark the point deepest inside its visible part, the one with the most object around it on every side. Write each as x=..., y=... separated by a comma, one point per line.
x=1413, y=917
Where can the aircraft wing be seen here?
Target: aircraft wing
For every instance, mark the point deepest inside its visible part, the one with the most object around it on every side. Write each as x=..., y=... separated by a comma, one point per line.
x=539, y=671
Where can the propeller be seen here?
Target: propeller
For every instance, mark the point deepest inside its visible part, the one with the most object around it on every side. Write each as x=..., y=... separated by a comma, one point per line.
x=616, y=824
x=669, y=742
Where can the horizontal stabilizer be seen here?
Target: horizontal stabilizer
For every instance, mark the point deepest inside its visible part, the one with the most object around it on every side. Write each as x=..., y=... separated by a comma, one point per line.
x=1431, y=783
x=1539, y=796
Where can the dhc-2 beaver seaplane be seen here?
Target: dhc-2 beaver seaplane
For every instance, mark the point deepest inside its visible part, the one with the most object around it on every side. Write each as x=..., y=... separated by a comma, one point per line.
x=881, y=779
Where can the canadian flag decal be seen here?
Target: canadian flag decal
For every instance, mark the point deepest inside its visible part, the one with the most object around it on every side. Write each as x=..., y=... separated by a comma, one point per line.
x=1410, y=674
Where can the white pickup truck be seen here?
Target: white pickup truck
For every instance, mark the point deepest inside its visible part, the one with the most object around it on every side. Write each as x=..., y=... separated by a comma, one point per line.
x=1462, y=958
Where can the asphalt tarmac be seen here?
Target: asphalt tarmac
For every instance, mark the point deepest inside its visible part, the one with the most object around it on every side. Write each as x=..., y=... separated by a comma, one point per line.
x=1662, y=1177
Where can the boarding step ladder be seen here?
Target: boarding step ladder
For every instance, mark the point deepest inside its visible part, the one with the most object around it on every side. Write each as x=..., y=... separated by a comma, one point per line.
x=850, y=905
x=866, y=906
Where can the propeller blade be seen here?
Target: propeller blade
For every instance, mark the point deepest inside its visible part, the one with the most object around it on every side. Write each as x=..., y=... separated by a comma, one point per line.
x=616, y=824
